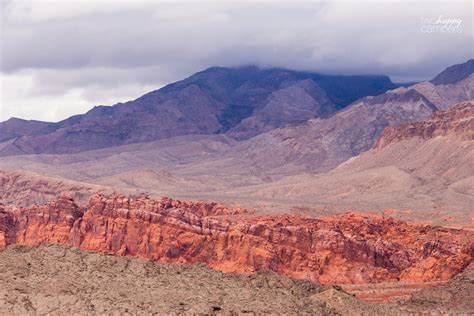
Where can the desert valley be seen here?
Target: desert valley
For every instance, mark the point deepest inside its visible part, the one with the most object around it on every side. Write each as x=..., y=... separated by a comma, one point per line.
x=370, y=189
x=246, y=189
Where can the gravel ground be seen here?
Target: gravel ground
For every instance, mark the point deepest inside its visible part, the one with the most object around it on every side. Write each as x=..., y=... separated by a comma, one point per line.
x=58, y=280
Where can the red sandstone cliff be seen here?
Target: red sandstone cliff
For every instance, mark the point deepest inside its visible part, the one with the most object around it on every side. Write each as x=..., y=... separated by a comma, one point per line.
x=343, y=249
x=457, y=121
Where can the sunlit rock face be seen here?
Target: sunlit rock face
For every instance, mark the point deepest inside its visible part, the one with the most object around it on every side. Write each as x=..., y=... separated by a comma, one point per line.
x=348, y=248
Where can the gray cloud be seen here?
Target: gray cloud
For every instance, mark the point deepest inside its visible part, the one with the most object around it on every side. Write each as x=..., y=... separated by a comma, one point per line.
x=70, y=51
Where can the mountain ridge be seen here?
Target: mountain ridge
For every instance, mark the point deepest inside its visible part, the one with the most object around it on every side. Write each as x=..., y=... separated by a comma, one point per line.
x=211, y=101
x=241, y=102
x=16, y=127
x=454, y=73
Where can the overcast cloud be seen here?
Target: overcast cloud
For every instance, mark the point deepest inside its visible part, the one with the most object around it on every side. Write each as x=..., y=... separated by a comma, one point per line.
x=62, y=58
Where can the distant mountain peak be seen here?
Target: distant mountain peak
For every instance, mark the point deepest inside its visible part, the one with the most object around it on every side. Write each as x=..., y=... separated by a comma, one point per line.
x=16, y=119
x=454, y=73
x=457, y=121
x=213, y=101
x=17, y=127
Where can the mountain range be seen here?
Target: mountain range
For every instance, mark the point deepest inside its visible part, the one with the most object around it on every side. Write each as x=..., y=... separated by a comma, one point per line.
x=242, y=102
x=270, y=137
x=362, y=187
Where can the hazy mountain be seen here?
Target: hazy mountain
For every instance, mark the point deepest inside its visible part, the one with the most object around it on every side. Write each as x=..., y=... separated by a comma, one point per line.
x=208, y=162
x=16, y=127
x=455, y=73
x=212, y=101
x=323, y=143
x=294, y=104
x=417, y=169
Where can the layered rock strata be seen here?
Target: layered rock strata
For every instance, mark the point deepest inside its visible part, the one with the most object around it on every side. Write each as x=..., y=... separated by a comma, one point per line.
x=347, y=249
x=456, y=122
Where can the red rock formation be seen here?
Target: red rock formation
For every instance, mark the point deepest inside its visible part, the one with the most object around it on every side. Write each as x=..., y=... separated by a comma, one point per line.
x=457, y=121
x=343, y=249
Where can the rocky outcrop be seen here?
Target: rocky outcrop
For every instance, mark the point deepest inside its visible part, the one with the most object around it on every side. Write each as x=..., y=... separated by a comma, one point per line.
x=457, y=121
x=343, y=249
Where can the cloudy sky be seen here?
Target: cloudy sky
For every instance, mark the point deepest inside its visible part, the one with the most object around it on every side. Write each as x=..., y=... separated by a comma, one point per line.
x=62, y=58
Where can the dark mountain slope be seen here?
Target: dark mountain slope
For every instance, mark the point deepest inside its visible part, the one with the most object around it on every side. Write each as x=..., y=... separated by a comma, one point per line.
x=212, y=101
x=455, y=73
x=15, y=127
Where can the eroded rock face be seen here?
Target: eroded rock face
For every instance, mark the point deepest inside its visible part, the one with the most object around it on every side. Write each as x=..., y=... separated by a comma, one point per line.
x=344, y=249
x=457, y=122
